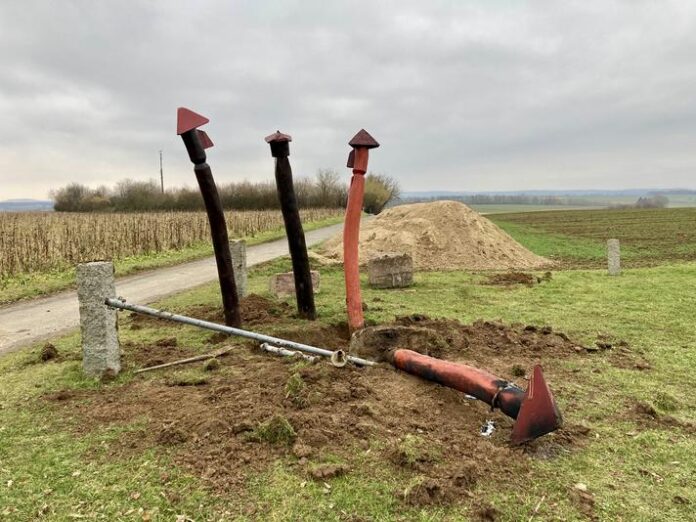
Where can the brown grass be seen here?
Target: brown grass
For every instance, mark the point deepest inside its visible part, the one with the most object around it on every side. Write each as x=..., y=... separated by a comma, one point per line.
x=33, y=242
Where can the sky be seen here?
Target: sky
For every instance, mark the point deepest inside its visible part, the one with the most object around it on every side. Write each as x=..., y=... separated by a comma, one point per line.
x=462, y=95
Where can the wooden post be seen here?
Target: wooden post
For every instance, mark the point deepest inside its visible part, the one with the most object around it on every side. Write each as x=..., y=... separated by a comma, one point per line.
x=304, y=292
x=196, y=141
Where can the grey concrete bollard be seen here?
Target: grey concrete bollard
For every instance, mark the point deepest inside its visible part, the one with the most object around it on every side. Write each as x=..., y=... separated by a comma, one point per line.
x=101, y=354
x=390, y=271
x=239, y=263
x=614, y=257
x=283, y=284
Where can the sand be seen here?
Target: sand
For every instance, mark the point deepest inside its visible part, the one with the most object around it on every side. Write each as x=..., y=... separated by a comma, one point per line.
x=441, y=235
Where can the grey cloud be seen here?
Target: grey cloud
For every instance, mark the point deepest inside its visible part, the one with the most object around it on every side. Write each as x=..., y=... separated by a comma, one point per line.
x=462, y=95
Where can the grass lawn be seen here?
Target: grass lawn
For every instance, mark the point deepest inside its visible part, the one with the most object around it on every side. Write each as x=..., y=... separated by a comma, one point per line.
x=35, y=284
x=634, y=467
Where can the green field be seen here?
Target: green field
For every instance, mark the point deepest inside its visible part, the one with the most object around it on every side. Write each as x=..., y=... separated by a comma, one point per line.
x=578, y=238
x=506, y=209
x=635, y=463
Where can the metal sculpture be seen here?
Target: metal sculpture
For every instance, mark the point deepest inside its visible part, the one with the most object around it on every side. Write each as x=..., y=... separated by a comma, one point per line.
x=535, y=409
x=196, y=141
x=304, y=292
x=362, y=142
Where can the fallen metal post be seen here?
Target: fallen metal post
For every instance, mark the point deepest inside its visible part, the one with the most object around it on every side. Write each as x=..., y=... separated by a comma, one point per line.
x=534, y=409
x=229, y=330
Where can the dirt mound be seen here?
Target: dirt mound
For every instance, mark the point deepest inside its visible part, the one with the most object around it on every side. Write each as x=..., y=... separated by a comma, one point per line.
x=323, y=420
x=442, y=235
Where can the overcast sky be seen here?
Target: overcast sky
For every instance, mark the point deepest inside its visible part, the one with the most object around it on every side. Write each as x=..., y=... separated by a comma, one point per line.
x=487, y=95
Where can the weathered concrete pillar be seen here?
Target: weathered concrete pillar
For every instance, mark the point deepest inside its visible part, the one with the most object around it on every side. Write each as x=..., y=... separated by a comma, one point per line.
x=614, y=257
x=283, y=284
x=239, y=263
x=390, y=271
x=101, y=354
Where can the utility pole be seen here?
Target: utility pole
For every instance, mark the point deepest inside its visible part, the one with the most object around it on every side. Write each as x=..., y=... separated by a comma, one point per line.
x=161, y=173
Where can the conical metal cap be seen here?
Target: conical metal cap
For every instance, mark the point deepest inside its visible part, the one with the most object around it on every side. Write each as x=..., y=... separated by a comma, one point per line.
x=363, y=139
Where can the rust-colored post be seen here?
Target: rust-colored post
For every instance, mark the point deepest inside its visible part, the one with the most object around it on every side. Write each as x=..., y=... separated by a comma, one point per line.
x=534, y=409
x=362, y=142
x=196, y=141
x=304, y=292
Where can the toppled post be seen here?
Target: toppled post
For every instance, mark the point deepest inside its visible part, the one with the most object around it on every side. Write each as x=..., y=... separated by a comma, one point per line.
x=362, y=142
x=614, y=257
x=239, y=264
x=101, y=354
x=304, y=292
x=196, y=141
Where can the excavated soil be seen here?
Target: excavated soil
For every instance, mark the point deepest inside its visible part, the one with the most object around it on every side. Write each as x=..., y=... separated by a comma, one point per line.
x=256, y=408
x=442, y=235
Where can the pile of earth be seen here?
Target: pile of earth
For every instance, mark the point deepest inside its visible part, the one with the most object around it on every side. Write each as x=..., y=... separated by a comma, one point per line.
x=252, y=409
x=442, y=235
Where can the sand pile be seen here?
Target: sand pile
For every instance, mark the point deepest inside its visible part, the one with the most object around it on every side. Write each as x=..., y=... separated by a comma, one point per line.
x=442, y=235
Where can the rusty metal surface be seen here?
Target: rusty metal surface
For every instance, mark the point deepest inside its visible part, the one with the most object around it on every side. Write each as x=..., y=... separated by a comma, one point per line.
x=187, y=120
x=277, y=136
x=363, y=139
x=535, y=409
x=205, y=140
x=538, y=414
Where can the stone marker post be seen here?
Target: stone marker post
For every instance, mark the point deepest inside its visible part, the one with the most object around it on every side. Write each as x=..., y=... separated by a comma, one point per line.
x=239, y=263
x=101, y=354
x=614, y=257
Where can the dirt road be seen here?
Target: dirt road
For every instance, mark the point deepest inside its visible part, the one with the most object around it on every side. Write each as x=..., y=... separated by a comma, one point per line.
x=27, y=322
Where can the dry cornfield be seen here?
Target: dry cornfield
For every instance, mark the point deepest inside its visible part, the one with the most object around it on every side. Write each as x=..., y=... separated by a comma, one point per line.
x=43, y=241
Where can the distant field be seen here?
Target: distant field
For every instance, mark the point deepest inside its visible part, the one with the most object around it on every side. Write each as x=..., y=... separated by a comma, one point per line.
x=577, y=238
x=504, y=209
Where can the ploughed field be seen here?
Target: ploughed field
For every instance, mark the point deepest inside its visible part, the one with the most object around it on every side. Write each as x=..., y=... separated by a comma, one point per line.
x=577, y=238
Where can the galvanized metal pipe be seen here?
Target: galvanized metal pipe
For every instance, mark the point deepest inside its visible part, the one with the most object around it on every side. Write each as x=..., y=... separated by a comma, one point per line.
x=229, y=330
x=277, y=350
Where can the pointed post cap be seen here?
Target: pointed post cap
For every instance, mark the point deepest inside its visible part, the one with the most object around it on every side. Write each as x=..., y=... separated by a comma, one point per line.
x=187, y=120
x=363, y=139
x=278, y=136
x=206, y=142
x=280, y=144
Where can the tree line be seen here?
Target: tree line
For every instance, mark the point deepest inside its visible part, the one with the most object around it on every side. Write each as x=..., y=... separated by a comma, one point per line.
x=325, y=190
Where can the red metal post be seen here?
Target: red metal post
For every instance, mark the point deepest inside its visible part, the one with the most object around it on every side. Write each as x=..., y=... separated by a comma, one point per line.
x=357, y=160
x=535, y=409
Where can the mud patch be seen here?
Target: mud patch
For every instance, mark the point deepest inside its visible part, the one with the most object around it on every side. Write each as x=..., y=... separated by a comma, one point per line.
x=257, y=408
x=517, y=278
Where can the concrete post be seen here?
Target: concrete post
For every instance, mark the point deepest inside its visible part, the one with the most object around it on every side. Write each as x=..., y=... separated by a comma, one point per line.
x=614, y=257
x=101, y=354
x=239, y=264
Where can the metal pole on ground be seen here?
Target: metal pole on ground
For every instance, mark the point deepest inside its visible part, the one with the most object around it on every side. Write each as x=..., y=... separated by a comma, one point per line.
x=196, y=141
x=304, y=292
x=275, y=341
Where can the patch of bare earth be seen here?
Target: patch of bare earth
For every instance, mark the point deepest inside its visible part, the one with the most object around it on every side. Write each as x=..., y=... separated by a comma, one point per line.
x=256, y=408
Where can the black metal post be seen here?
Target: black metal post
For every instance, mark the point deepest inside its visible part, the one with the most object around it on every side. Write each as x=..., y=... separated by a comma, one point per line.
x=194, y=140
x=304, y=292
